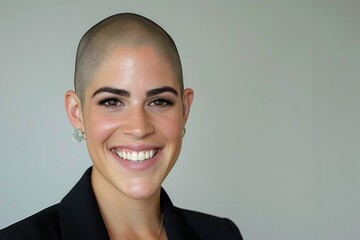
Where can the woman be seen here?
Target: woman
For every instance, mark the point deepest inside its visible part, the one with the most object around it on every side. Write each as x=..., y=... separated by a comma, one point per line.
x=131, y=107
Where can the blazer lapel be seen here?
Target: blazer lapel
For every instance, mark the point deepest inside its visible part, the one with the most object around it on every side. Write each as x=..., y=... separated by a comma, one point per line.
x=80, y=216
x=176, y=227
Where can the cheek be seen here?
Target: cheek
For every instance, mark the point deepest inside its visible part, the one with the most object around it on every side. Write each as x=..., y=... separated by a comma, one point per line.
x=99, y=127
x=170, y=127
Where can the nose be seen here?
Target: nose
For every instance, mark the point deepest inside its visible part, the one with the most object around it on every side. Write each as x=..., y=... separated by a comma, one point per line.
x=138, y=123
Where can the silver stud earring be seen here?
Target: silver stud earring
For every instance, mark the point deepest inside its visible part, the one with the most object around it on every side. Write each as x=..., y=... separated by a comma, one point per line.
x=183, y=131
x=77, y=135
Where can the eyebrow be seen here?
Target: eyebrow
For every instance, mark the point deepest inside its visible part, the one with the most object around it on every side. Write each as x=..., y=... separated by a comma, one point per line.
x=116, y=91
x=160, y=90
x=125, y=93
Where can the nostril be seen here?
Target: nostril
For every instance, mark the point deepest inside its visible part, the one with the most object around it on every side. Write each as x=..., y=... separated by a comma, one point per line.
x=138, y=128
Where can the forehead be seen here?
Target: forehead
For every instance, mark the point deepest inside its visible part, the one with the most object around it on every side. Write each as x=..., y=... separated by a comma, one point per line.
x=129, y=67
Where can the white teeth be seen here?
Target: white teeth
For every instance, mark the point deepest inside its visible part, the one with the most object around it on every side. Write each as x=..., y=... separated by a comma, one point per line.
x=141, y=156
x=136, y=156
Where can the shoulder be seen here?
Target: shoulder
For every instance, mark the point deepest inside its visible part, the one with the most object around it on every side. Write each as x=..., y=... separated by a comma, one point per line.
x=207, y=226
x=42, y=225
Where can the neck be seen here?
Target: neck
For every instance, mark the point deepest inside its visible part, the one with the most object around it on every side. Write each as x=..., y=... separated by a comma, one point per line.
x=124, y=217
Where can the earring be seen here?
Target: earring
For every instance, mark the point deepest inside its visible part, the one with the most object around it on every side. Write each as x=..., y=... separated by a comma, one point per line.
x=183, y=131
x=77, y=135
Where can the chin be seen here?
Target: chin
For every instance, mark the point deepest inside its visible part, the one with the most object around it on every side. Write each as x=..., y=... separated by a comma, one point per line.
x=140, y=191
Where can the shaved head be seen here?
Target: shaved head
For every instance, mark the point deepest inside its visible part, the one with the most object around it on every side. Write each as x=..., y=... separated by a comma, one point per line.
x=125, y=29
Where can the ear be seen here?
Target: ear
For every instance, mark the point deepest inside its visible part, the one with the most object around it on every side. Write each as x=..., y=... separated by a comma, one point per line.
x=188, y=96
x=73, y=110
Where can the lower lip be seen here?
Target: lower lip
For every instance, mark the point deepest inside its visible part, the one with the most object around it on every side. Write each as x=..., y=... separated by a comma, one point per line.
x=137, y=166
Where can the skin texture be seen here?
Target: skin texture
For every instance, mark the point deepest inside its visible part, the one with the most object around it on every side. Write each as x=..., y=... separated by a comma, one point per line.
x=139, y=117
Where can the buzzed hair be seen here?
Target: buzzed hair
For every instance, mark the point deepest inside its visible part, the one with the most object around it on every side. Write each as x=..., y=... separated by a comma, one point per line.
x=126, y=29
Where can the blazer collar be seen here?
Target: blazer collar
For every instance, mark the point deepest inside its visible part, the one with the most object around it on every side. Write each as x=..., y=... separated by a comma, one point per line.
x=80, y=217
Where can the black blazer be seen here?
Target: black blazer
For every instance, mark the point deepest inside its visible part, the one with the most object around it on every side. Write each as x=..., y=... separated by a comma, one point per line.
x=77, y=217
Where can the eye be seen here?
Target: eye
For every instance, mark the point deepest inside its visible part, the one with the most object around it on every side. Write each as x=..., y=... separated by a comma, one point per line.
x=111, y=102
x=161, y=103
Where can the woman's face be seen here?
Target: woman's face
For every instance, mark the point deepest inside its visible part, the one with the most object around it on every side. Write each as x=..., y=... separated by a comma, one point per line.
x=133, y=114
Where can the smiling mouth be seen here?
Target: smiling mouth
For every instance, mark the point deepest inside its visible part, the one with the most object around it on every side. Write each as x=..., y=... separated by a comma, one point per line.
x=136, y=156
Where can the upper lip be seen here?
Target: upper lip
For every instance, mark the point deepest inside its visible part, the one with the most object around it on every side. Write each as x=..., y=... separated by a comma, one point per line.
x=135, y=147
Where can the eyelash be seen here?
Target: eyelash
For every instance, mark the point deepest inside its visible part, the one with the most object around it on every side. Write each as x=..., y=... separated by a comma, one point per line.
x=113, y=102
x=160, y=102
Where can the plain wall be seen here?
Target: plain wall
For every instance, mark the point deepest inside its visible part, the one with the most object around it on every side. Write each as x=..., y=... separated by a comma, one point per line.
x=273, y=138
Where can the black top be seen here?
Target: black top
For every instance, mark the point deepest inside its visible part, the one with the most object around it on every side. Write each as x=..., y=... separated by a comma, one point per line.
x=77, y=217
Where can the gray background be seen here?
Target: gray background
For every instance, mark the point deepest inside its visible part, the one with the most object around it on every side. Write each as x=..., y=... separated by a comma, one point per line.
x=273, y=137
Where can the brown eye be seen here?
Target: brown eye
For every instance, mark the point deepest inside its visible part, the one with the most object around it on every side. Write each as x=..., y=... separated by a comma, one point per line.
x=161, y=103
x=111, y=102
